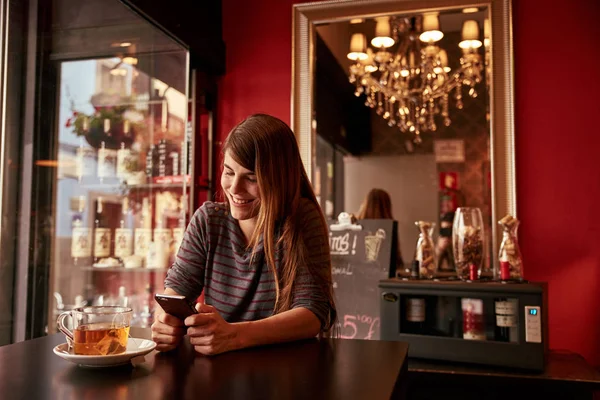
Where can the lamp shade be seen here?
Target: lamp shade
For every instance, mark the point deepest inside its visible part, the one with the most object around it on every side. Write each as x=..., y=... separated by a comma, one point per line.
x=470, y=35
x=382, y=37
x=358, y=47
x=470, y=30
x=431, y=28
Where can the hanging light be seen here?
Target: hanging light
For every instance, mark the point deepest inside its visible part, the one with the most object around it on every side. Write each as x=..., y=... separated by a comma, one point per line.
x=358, y=47
x=431, y=29
x=382, y=39
x=412, y=85
x=470, y=35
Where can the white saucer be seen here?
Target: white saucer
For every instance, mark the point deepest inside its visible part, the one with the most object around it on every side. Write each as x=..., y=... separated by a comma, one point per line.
x=135, y=348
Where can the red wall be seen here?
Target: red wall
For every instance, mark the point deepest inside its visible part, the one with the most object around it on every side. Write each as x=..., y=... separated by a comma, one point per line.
x=556, y=59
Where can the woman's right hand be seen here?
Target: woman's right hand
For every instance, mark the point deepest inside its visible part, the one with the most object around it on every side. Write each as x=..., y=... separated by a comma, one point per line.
x=167, y=330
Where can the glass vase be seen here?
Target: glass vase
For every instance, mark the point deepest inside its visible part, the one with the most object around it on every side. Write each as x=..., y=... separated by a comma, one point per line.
x=425, y=252
x=467, y=242
x=511, y=261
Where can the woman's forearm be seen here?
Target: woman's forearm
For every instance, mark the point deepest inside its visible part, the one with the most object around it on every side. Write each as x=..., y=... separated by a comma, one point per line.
x=295, y=324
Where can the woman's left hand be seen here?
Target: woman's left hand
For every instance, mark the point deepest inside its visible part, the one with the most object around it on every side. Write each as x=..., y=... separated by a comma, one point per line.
x=209, y=333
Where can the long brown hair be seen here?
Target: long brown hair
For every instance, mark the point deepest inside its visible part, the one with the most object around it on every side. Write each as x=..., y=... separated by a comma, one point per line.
x=267, y=146
x=377, y=205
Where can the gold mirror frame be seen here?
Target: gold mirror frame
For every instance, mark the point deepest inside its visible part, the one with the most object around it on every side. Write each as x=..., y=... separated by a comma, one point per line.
x=502, y=133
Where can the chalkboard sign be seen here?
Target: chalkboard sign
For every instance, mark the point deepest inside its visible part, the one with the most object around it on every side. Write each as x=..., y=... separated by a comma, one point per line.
x=361, y=255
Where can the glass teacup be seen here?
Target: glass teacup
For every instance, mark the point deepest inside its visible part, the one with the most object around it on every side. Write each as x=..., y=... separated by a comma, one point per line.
x=99, y=330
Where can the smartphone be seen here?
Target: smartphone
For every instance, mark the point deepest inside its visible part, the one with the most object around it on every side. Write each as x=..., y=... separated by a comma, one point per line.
x=176, y=305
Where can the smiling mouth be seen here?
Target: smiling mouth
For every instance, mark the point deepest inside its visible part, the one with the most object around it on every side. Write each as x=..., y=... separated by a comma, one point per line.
x=240, y=202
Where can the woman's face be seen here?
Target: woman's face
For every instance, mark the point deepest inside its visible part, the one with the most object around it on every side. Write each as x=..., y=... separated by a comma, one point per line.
x=241, y=189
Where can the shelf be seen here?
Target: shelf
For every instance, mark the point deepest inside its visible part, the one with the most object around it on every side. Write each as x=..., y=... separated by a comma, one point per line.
x=158, y=182
x=123, y=269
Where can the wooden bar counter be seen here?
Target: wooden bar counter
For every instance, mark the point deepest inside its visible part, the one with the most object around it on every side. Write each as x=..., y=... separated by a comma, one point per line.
x=310, y=369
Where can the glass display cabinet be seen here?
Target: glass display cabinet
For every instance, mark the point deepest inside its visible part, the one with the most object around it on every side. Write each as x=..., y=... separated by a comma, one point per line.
x=117, y=173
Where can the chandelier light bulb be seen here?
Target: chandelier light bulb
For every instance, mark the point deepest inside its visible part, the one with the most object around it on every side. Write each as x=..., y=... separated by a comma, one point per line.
x=431, y=28
x=130, y=60
x=382, y=39
x=470, y=35
x=487, y=32
x=358, y=47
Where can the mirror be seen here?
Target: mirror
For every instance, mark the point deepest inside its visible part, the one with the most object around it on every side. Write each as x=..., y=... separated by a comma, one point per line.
x=434, y=130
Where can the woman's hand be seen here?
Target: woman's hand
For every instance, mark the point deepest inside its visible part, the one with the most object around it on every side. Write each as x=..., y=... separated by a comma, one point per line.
x=209, y=333
x=167, y=330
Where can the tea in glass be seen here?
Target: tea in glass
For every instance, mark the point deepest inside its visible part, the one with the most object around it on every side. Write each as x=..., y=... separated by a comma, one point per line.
x=98, y=331
x=100, y=339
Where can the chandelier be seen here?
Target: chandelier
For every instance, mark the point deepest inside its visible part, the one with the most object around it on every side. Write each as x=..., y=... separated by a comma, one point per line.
x=411, y=86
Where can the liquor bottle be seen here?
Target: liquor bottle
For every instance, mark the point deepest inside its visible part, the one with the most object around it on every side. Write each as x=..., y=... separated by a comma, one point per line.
x=122, y=300
x=81, y=246
x=102, y=234
x=188, y=156
x=175, y=163
x=143, y=233
x=162, y=157
x=124, y=233
x=179, y=230
x=162, y=242
x=506, y=319
x=414, y=316
x=85, y=158
x=151, y=162
x=473, y=319
x=124, y=159
x=106, y=162
x=146, y=313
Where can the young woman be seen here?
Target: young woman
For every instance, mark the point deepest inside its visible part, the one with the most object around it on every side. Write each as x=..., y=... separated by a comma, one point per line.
x=261, y=257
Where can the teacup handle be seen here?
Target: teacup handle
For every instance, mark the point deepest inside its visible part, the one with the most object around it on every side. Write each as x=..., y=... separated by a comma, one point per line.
x=61, y=324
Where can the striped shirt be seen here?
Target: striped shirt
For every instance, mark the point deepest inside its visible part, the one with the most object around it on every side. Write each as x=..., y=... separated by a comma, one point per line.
x=213, y=257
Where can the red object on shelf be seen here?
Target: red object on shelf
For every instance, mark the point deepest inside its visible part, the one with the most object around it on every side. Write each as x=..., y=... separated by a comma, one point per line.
x=473, y=272
x=172, y=179
x=504, y=270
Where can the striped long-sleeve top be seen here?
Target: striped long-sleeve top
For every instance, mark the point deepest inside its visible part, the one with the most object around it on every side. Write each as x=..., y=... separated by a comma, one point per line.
x=213, y=257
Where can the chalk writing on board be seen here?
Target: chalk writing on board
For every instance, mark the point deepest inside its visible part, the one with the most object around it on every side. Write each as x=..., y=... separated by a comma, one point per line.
x=373, y=244
x=340, y=245
x=352, y=323
x=346, y=270
x=359, y=260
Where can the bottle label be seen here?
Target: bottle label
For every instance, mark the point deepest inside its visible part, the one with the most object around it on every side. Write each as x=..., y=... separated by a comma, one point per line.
x=506, y=320
x=506, y=308
x=123, y=242
x=84, y=162
x=415, y=310
x=143, y=237
x=473, y=321
x=102, y=242
x=506, y=313
x=106, y=163
x=81, y=244
x=163, y=237
x=125, y=162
